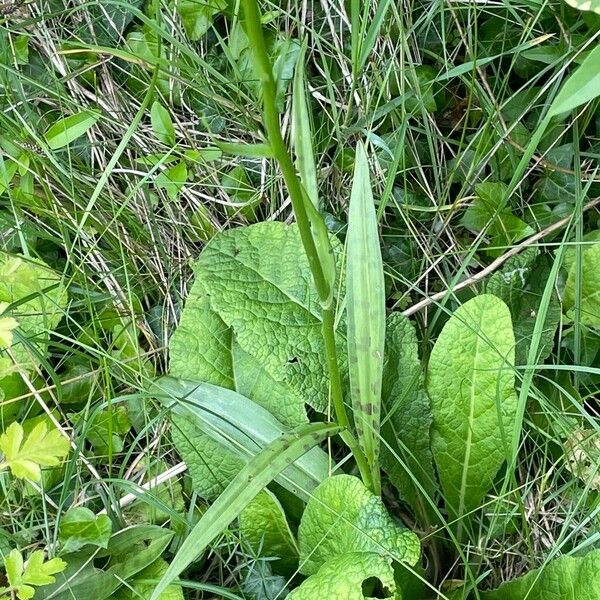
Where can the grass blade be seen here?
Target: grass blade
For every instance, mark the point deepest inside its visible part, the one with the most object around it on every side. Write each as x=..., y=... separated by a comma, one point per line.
x=366, y=313
x=257, y=474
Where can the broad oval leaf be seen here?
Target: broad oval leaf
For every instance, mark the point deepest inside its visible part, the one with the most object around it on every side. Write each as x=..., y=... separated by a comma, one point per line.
x=344, y=516
x=471, y=384
x=67, y=130
x=258, y=281
x=162, y=125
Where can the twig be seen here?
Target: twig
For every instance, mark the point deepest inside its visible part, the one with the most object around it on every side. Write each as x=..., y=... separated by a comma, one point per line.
x=495, y=264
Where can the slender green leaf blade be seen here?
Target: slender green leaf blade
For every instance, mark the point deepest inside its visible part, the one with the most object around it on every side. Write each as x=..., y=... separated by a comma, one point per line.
x=249, y=482
x=366, y=311
x=302, y=133
x=581, y=87
x=241, y=426
x=246, y=150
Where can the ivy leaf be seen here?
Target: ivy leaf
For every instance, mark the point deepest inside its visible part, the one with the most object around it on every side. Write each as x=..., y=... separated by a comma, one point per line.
x=80, y=526
x=40, y=448
x=36, y=572
x=406, y=423
x=344, y=516
x=565, y=578
x=471, y=384
x=486, y=212
x=162, y=125
x=344, y=576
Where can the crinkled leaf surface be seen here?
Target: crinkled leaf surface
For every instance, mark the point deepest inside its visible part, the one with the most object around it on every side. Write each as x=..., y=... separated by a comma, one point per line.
x=41, y=298
x=590, y=286
x=80, y=526
x=520, y=283
x=264, y=527
x=210, y=464
x=241, y=426
x=471, y=384
x=344, y=516
x=258, y=280
x=251, y=323
x=406, y=423
x=565, y=578
x=342, y=577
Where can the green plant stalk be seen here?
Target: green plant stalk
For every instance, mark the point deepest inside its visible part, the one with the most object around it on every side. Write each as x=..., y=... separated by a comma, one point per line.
x=280, y=152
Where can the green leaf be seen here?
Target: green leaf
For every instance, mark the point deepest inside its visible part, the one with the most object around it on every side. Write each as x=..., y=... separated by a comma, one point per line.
x=7, y=325
x=343, y=577
x=238, y=187
x=162, y=125
x=197, y=15
x=172, y=180
x=36, y=572
x=80, y=526
x=211, y=465
x=264, y=528
x=487, y=213
x=302, y=136
x=137, y=590
x=582, y=450
x=246, y=150
x=239, y=425
x=344, y=516
x=365, y=294
x=590, y=286
x=255, y=476
x=582, y=86
x=285, y=52
x=41, y=447
x=39, y=297
x=565, y=578
x=471, y=384
x=68, y=129
x=236, y=273
x=406, y=426
x=520, y=283
x=8, y=169
x=104, y=429
x=585, y=5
